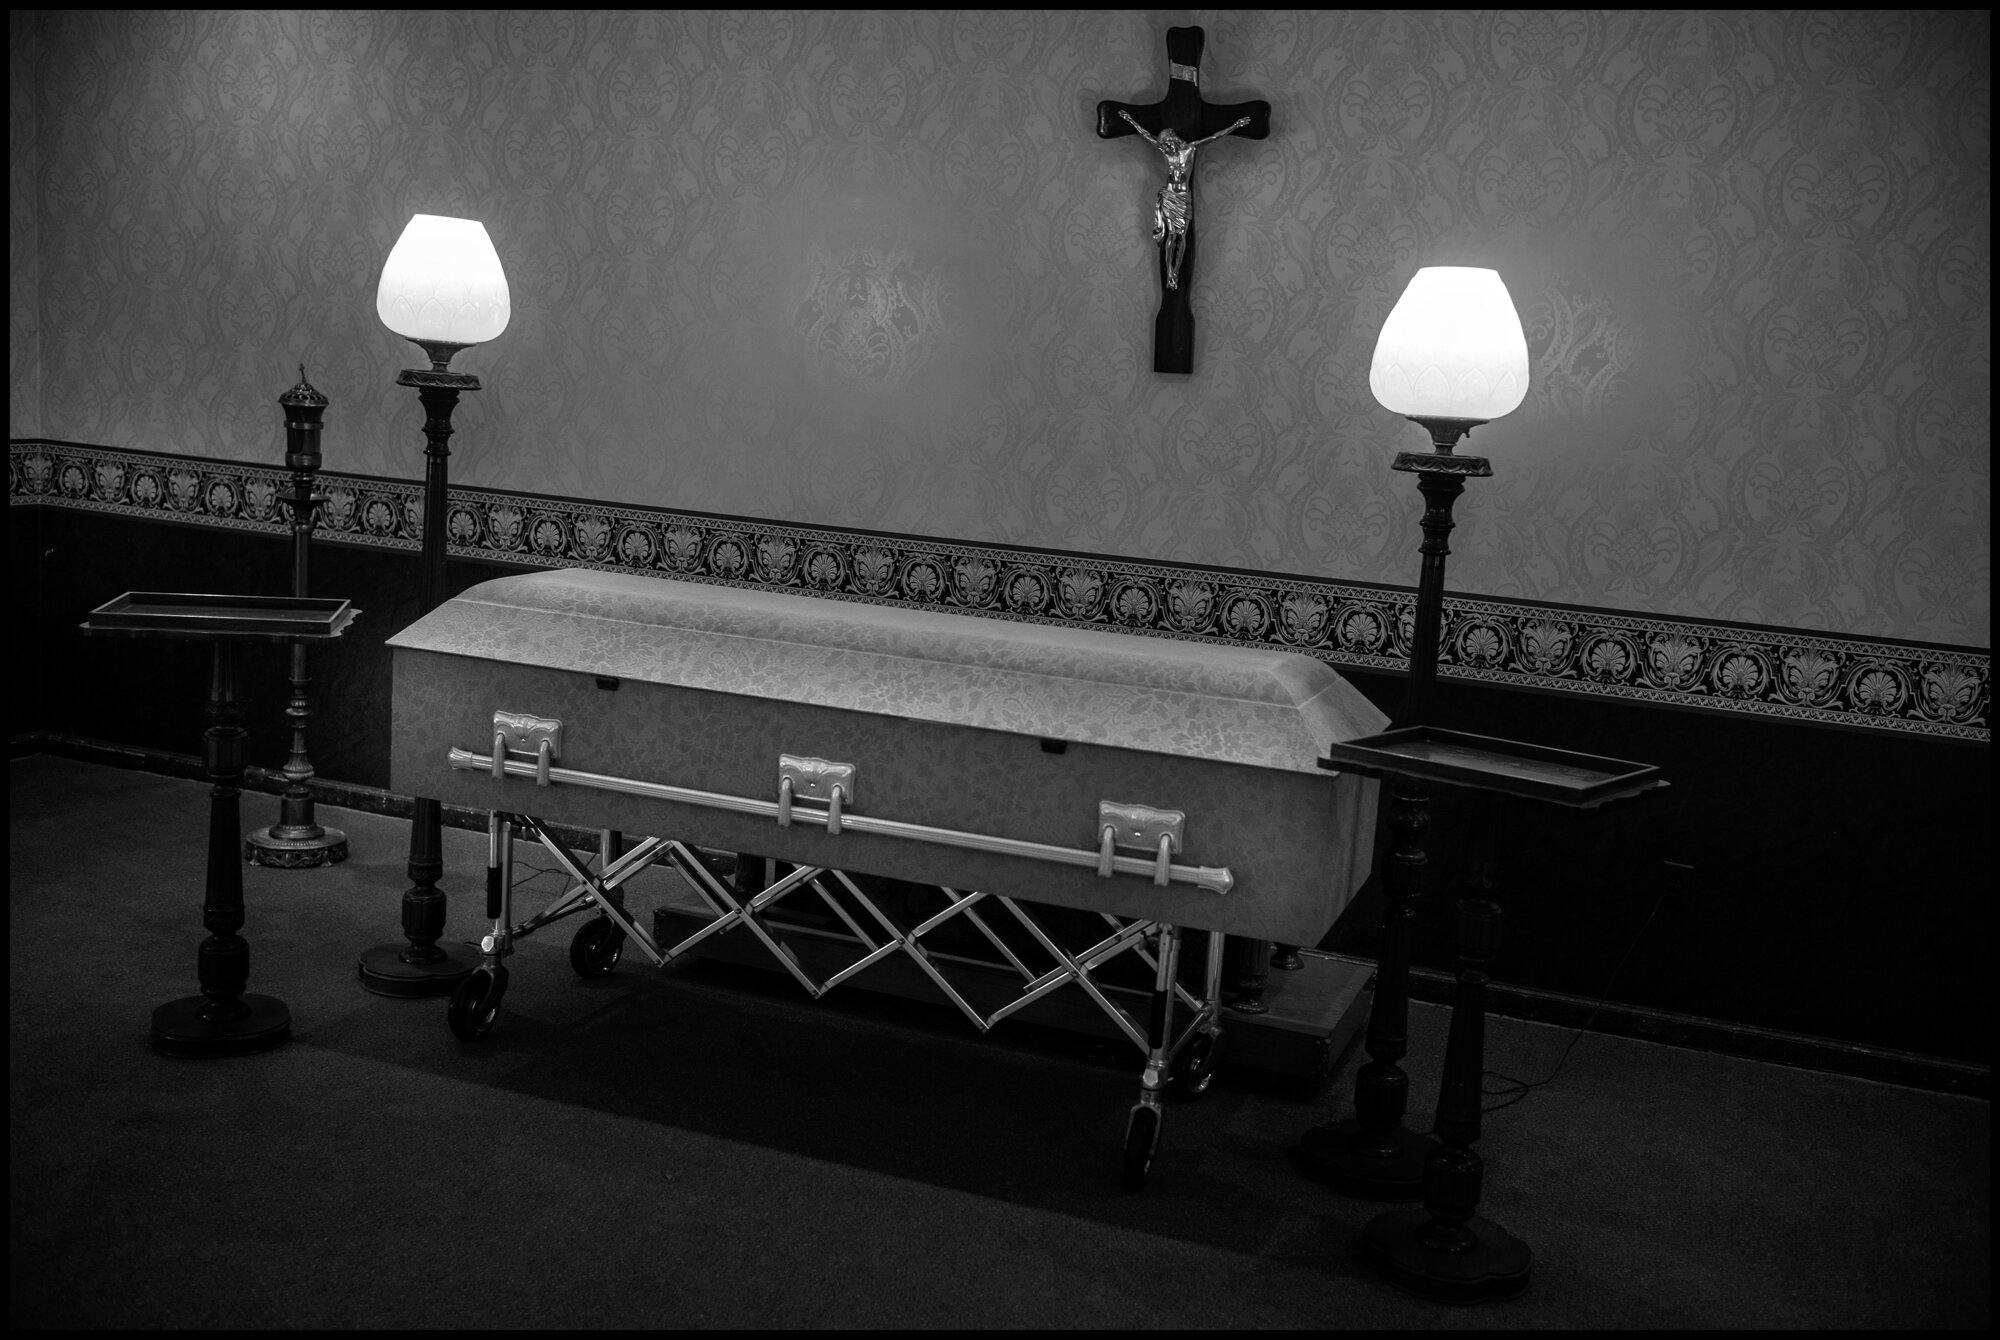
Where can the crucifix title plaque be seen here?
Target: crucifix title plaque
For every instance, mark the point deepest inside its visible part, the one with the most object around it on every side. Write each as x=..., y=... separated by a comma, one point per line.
x=1178, y=125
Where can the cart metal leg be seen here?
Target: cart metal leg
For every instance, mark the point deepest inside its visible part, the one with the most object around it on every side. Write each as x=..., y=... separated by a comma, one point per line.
x=476, y=1001
x=1198, y=1050
x=1142, y=1127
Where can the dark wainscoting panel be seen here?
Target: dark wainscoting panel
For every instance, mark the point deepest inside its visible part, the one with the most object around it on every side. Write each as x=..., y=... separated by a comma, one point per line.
x=1840, y=884
x=1838, y=888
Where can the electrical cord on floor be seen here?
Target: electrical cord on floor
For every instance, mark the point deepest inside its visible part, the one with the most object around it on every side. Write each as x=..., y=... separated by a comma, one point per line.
x=522, y=882
x=1515, y=1090
x=539, y=872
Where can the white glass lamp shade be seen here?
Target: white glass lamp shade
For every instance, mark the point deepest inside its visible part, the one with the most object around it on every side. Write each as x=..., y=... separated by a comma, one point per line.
x=443, y=284
x=1452, y=348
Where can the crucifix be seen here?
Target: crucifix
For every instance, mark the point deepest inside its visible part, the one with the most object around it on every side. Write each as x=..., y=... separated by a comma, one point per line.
x=1177, y=125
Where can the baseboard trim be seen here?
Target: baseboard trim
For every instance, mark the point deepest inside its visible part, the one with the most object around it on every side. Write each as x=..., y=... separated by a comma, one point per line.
x=1804, y=1051
x=1692, y=1032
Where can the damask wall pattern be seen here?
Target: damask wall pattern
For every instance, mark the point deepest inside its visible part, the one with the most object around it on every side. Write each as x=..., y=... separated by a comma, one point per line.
x=24, y=335
x=874, y=269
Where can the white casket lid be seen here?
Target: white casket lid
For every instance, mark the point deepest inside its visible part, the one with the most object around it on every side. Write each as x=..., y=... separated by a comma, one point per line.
x=1270, y=709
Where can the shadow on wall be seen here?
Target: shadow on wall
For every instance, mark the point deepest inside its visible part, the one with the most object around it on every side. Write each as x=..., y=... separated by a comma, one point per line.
x=1607, y=417
x=865, y=316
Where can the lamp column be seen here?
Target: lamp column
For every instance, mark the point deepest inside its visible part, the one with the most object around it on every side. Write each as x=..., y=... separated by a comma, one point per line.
x=1371, y=1154
x=443, y=290
x=297, y=839
x=1441, y=477
x=421, y=967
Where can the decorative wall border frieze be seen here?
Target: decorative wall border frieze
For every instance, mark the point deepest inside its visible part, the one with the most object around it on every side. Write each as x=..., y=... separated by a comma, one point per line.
x=1827, y=679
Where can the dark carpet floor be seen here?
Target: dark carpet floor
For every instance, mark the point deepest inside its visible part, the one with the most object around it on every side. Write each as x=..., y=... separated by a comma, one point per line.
x=704, y=1147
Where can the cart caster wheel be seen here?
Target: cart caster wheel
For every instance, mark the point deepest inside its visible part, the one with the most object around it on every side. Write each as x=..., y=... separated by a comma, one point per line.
x=476, y=1002
x=597, y=947
x=1194, y=1069
x=1142, y=1137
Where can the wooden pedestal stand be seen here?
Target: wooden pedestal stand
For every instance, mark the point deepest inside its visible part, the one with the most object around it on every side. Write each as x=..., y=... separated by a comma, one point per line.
x=1443, y=1250
x=224, y=1020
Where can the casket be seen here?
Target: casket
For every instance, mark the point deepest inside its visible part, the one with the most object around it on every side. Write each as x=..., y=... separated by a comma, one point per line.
x=934, y=722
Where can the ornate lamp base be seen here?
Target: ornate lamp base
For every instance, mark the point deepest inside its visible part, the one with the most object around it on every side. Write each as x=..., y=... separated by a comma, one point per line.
x=1486, y=1264
x=384, y=972
x=179, y=1028
x=1338, y=1154
x=279, y=847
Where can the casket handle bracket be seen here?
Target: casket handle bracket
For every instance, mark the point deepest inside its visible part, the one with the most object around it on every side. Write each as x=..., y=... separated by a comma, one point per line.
x=517, y=732
x=1142, y=828
x=816, y=780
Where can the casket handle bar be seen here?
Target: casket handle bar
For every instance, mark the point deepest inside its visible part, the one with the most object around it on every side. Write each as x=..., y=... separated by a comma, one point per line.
x=519, y=732
x=839, y=795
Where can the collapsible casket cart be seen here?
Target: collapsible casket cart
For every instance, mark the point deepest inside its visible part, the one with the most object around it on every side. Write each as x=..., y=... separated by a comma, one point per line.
x=1156, y=785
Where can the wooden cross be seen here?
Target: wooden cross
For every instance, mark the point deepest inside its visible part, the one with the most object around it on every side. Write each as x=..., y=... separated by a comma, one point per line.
x=1177, y=125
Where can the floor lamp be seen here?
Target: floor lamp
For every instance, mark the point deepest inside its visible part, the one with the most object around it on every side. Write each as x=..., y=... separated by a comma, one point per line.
x=1451, y=356
x=443, y=290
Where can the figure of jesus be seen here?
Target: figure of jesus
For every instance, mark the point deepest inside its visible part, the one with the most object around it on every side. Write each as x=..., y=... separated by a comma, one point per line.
x=1175, y=205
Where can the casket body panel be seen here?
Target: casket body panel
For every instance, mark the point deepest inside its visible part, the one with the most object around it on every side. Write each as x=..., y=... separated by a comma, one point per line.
x=1297, y=840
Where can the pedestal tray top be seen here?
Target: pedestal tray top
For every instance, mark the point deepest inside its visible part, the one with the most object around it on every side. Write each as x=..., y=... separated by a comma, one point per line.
x=1483, y=763
x=1262, y=708
x=201, y=615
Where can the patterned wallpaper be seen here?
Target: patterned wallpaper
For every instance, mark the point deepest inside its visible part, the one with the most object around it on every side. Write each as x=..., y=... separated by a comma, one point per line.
x=874, y=269
x=24, y=332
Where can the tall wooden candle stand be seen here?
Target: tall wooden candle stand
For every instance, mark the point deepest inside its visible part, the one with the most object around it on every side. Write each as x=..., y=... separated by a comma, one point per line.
x=298, y=840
